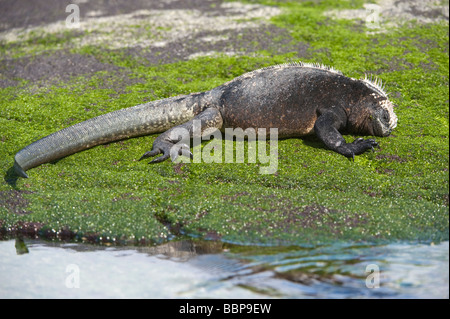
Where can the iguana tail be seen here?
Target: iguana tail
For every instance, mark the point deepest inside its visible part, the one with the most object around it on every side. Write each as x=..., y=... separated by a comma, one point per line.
x=144, y=119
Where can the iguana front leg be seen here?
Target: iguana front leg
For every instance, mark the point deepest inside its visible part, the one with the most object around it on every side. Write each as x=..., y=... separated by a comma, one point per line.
x=327, y=128
x=208, y=119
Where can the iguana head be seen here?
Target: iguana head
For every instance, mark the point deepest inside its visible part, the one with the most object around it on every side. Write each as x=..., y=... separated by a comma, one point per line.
x=375, y=115
x=384, y=119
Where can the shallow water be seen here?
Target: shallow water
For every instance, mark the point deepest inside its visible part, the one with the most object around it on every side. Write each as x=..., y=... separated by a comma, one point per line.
x=206, y=269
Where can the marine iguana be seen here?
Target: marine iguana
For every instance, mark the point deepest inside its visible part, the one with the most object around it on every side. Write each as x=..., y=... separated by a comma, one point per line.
x=296, y=98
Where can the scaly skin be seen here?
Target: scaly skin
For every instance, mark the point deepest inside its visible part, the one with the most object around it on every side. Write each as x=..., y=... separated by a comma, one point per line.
x=297, y=99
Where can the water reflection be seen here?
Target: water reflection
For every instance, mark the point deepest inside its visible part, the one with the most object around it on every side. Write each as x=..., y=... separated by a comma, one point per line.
x=209, y=269
x=21, y=247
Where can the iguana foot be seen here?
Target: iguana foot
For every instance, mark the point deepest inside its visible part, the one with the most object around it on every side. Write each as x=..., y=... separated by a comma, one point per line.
x=170, y=143
x=168, y=149
x=357, y=147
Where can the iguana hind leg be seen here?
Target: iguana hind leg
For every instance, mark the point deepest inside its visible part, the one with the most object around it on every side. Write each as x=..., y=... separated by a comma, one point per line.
x=209, y=119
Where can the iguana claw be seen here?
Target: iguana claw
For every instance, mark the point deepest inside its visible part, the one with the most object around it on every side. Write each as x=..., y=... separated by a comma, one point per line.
x=168, y=150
